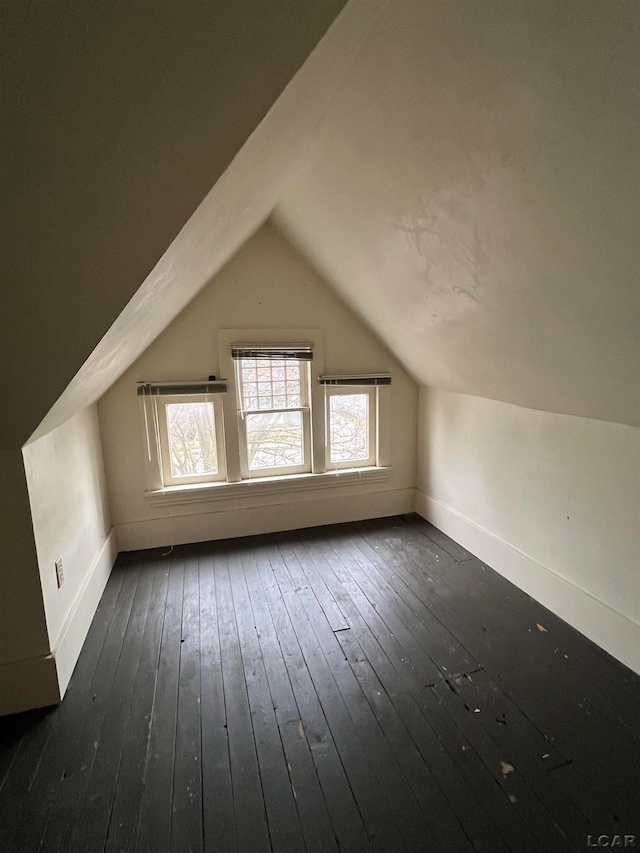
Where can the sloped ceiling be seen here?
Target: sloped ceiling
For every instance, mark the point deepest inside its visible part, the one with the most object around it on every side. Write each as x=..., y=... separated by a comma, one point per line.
x=464, y=173
x=117, y=119
x=473, y=192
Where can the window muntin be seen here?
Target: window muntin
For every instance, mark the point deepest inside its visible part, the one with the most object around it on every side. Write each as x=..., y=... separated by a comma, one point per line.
x=271, y=383
x=274, y=417
x=191, y=439
x=234, y=456
x=351, y=426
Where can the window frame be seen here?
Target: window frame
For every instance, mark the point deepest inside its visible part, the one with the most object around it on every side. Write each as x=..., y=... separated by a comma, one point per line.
x=319, y=473
x=227, y=338
x=371, y=392
x=161, y=403
x=247, y=473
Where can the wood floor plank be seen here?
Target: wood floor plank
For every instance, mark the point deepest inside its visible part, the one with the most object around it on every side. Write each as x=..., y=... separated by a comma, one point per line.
x=16, y=813
x=12, y=731
x=344, y=813
x=82, y=746
x=598, y=747
x=500, y=647
x=186, y=819
x=412, y=822
x=367, y=620
x=400, y=757
x=467, y=753
x=419, y=634
x=156, y=809
x=422, y=598
x=125, y=815
x=553, y=654
x=16, y=726
x=396, y=673
x=597, y=662
x=94, y=814
x=587, y=659
x=285, y=706
x=219, y=824
x=450, y=836
x=316, y=639
x=362, y=687
x=331, y=608
x=530, y=788
x=282, y=817
x=35, y=809
x=439, y=538
x=251, y=820
x=462, y=797
x=312, y=812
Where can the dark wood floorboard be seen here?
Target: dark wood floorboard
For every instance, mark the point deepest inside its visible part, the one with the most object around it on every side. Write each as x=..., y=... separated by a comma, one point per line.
x=155, y=807
x=360, y=687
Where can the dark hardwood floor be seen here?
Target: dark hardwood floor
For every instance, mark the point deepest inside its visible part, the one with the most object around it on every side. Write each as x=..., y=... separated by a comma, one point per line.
x=367, y=686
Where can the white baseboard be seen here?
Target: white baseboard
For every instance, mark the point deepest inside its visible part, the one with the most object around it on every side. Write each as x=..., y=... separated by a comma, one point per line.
x=69, y=643
x=611, y=630
x=202, y=527
x=27, y=684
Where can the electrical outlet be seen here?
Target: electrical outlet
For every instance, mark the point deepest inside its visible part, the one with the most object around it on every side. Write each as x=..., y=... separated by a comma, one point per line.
x=59, y=572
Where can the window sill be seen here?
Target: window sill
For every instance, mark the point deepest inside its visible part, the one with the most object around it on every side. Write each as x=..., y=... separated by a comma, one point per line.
x=199, y=492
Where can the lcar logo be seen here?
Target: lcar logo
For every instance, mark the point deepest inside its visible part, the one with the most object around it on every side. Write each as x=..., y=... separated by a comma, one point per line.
x=606, y=841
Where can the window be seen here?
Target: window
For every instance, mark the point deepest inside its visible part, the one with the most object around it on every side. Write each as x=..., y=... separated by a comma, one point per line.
x=351, y=427
x=357, y=420
x=191, y=439
x=274, y=417
x=183, y=432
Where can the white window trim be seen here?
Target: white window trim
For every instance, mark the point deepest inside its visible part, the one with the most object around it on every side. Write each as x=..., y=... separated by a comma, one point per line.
x=372, y=411
x=154, y=436
x=305, y=412
x=232, y=405
x=320, y=477
x=161, y=403
x=264, y=486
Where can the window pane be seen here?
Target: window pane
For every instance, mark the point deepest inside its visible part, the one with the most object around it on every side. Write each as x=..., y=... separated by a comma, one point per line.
x=271, y=390
x=274, y=440
x=191, y=430
x=348, y=427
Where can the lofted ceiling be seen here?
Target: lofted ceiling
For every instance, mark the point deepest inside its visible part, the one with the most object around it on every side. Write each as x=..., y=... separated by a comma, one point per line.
x=117, y=119
x=465, y=175
x=473, y=192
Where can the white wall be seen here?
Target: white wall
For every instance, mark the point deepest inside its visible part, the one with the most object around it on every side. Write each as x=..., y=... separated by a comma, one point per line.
x=472, y=189
x=551, y=501
x=67, y=492
x=140, y=210
x=266, y=285
x=28, y=676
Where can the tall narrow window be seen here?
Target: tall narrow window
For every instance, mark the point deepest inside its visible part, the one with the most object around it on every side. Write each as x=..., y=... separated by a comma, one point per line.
x=274, y=415
x=351, y=427
x=191, y=439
